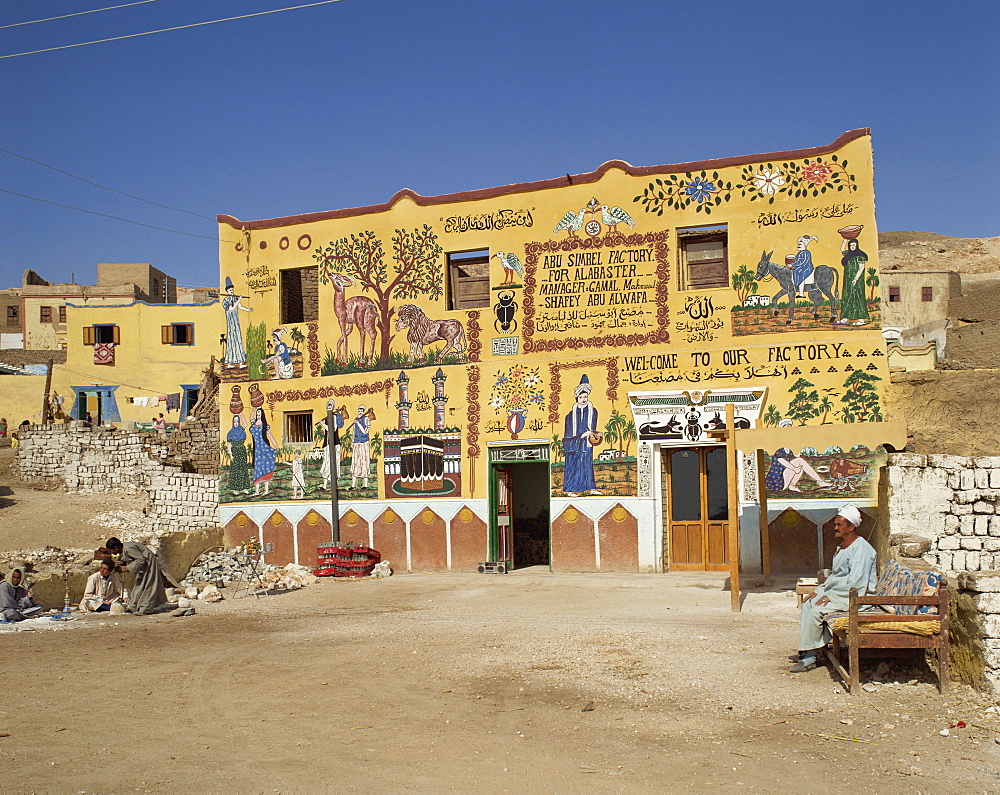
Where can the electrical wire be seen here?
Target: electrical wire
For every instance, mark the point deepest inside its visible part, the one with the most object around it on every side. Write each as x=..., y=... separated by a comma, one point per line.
x=168, y=30
x=77, y=14
x=114, y=217
x=105, y=187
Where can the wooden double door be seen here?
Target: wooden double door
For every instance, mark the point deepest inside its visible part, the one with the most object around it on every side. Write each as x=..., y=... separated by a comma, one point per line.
x=696, y=510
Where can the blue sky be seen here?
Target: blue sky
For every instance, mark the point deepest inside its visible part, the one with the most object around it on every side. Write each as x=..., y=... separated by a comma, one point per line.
x=344, y=104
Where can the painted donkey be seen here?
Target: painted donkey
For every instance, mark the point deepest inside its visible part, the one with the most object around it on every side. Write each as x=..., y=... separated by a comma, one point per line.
x=826, y=281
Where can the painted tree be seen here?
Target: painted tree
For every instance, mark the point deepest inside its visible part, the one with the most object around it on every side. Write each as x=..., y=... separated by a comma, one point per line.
x=556, y=447
x=861, y=401
x=629, y=435
x=297, y=338
x=417, y=270
x=744, y=283
x=872, y=281
x=772, y=416
x=826, y=406
x=803, y=405
x=611, y=430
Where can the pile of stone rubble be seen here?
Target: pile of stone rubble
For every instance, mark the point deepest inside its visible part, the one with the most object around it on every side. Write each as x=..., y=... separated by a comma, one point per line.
x=224, y=568
x=49, y=556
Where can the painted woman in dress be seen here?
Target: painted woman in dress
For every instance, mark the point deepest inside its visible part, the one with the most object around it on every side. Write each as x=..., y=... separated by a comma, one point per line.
x=263, y=452
x=236, y=353
x=853, y=303
x=239, y=476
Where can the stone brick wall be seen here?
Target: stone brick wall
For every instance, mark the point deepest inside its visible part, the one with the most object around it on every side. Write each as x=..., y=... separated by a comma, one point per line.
x=944, y=513
x=951, y=502
x=177, y=471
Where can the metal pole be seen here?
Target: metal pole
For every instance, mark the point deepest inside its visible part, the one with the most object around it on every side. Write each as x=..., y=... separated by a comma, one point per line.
x=331, y=447
x=734, y=510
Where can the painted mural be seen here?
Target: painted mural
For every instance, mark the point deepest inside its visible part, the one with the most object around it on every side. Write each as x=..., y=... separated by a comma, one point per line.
x=617, y=312
x=828, y=474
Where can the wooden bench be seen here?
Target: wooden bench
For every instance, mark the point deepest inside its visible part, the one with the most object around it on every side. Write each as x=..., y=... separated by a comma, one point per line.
x=918, y=604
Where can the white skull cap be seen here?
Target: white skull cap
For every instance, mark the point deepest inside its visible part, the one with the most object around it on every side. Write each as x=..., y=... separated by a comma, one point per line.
x=851, y=514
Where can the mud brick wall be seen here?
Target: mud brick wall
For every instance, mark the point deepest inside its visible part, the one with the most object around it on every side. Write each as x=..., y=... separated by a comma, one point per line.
x=178, y=472
x=183, y=501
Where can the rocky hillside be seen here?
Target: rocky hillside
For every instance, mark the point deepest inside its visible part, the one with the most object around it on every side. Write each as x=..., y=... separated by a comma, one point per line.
x=976, y=258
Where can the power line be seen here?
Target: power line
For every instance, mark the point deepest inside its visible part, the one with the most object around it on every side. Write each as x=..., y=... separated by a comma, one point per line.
x=105, y=187
x=76, y=14
x=113, y=217
x=168, y=30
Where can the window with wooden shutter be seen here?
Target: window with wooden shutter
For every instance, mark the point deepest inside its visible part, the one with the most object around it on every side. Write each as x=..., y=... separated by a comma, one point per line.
x=177, y=334
x=704, y=257
x=469, y=279
x=89, y=335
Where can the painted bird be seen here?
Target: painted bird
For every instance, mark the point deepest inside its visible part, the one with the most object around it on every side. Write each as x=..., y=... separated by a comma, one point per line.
x=614, y=216
x=511, y=265
x=571, y=222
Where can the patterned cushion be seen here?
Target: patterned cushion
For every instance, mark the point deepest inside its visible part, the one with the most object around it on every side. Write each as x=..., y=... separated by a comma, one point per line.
x=897, y=580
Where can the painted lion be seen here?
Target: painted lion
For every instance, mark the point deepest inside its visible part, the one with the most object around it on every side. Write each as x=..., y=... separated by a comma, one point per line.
x=423, y=331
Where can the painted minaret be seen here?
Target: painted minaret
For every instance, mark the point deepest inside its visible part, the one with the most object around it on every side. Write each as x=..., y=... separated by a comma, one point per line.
x=439, y=399
x=404, y=403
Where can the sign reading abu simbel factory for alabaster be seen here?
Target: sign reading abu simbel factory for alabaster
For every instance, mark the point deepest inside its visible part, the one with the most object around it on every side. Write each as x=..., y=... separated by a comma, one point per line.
x=538, y=373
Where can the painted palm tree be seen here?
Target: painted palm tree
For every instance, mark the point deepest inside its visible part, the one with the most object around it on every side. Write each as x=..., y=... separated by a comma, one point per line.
x=826, y=406
x=772, y=416
x=377, y=444
x=872, y=281
x=629, y=435
x=611, y=430
x=297, y=337
x=556, y=447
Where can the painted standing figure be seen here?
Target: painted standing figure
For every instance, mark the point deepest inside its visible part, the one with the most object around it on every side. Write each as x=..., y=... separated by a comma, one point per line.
x=361, y=450
x=853, y=304
x=263, y=452
x=239, y=476
x=339, y=416
x=232, y=304
x=579, y=439
x=802, y=265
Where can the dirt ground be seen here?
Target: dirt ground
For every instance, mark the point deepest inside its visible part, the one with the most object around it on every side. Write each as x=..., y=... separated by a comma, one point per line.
x=458, y=682
x=428, y=682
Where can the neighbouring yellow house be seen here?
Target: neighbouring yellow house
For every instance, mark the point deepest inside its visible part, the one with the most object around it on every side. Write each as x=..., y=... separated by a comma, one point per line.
x=132, y=362
x=540, y=373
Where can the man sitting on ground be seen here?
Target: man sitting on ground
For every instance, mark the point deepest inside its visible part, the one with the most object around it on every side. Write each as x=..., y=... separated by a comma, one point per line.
x=853, y=567
x=104, y=589
x=17, y=602
x=149, y=592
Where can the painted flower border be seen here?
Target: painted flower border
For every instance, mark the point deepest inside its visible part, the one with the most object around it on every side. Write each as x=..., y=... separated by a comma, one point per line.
x=707, y=190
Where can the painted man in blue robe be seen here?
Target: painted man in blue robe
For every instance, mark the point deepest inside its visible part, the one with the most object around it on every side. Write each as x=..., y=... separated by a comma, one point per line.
x=802, y=266
x=579, y=437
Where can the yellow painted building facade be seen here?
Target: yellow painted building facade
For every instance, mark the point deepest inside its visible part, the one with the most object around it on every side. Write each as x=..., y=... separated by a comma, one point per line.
x=131, y=362
x=535, y=374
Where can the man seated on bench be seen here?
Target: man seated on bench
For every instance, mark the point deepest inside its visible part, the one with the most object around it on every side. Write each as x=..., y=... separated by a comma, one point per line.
x=853, y=567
